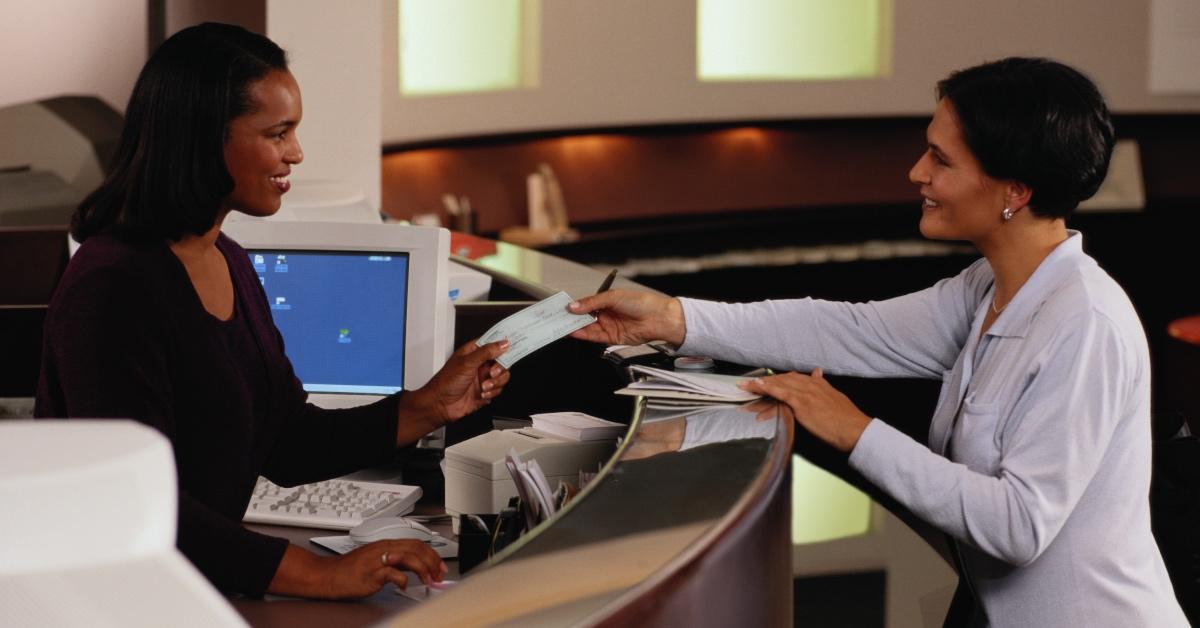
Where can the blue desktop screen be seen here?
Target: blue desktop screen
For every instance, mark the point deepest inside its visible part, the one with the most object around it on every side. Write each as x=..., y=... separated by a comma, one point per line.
x=341, y=314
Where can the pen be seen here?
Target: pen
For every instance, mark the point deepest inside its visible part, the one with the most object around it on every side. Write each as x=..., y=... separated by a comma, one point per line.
x=606, y=284
x=608, y=281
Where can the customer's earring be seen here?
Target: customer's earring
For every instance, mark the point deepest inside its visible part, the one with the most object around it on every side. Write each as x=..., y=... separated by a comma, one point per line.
x=1007, y=214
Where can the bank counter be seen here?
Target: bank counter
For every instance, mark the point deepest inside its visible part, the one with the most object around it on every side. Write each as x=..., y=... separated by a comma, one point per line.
x=696, y=535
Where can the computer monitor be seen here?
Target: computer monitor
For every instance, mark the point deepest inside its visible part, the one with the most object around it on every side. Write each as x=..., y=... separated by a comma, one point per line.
x=364, y=309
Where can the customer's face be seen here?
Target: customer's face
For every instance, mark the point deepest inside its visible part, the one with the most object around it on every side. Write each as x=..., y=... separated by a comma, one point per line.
x=262, y=146
x=961, y=202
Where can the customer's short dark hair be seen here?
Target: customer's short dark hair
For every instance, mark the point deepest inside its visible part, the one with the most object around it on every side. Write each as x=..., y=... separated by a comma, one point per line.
x=169, y=176
x=1035, y=121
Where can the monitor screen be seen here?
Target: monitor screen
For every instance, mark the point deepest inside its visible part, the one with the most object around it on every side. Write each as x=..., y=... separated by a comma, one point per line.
x=385, y=285
x=342, y=316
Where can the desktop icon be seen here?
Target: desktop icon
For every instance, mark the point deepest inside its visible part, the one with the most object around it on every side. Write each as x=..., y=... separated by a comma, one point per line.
x=344, y=336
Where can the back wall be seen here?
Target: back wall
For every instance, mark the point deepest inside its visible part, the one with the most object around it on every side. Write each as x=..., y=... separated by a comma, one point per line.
x=625, y=62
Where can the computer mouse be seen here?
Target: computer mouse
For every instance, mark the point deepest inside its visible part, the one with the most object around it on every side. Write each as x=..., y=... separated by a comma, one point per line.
x=382, y=528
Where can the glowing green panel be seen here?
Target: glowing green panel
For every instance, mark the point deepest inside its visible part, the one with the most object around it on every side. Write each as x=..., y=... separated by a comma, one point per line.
x=454, y=46
x=746, y=40
x=824, y=507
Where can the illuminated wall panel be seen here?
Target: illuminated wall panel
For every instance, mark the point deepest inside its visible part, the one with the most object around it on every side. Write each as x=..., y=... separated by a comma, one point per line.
x=462, y=46
x=784, y=40
x=824, y=507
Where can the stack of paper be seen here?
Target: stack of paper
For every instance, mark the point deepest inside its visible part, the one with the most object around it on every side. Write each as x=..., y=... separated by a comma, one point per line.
x=577, y=426
x=536, y=497
x=687, y=387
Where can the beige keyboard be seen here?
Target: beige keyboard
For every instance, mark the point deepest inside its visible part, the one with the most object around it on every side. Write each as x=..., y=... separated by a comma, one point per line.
x=332, y=504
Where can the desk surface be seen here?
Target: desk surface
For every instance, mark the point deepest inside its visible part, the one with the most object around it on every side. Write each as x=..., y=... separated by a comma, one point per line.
x=295, y=612
x=653, y=512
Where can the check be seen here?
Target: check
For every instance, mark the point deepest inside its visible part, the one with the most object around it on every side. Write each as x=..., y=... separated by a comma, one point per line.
x=535, y=327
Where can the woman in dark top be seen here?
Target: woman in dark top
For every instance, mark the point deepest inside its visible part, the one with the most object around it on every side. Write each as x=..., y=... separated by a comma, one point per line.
x=160, y=318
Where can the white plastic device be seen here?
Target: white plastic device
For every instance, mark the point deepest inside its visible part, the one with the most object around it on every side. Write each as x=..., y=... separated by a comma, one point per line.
x=88, y=532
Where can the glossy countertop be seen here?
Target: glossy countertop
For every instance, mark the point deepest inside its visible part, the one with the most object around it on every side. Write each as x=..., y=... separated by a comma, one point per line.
x=529, y=272
x=659, y=502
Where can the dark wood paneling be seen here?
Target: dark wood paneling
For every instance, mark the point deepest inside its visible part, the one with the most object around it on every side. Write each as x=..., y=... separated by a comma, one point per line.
x=688, y=170
x=665, y=171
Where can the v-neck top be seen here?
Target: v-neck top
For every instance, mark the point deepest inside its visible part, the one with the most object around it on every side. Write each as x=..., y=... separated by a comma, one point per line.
x=126, y=336
x=1046, y=414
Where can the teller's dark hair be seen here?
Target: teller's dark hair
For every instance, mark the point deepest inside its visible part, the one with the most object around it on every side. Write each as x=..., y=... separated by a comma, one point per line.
x=1035, y=121
x=169, y=177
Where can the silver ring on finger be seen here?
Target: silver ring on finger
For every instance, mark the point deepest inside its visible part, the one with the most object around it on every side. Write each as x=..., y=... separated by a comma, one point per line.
x=383, y=559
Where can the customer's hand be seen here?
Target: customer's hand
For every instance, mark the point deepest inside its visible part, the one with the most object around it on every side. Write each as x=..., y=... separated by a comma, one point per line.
x=630, y=317
x=817, y=406
x=469, y=380
x=357, y=574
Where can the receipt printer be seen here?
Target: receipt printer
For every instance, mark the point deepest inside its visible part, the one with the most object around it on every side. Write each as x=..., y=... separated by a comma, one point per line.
x=477, y=480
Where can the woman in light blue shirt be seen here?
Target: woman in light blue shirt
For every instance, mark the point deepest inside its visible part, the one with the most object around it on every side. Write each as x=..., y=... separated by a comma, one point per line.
x=1038, y=460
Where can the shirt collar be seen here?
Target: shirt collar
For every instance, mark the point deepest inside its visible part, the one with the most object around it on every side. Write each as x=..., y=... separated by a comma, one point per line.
x=1017, y=317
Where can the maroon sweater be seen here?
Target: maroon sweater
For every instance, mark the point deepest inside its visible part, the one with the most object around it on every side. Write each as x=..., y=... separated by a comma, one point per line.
x=127, y=336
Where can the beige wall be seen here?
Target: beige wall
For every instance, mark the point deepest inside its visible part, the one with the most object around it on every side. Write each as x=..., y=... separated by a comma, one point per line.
x=335, y=58
x=629, y=61
x=606, y=63
x=55, y=47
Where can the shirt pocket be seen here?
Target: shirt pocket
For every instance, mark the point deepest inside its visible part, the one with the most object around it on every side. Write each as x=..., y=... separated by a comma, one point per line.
x=976, y=441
